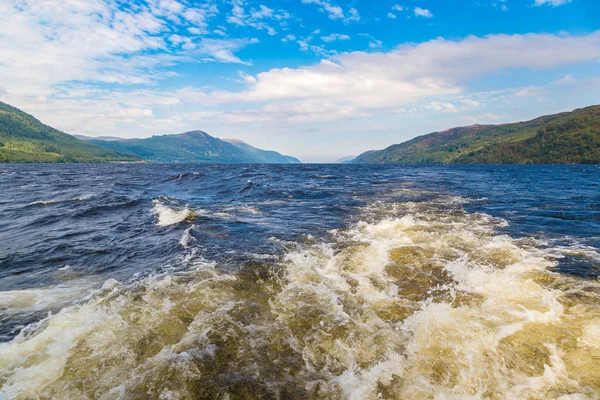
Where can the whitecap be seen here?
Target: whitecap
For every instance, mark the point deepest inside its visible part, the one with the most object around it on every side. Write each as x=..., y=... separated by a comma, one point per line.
x=169, y=216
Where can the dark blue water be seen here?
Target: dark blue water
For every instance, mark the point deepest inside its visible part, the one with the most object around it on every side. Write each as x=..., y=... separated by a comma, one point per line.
x=99, y=219
x=75, y=226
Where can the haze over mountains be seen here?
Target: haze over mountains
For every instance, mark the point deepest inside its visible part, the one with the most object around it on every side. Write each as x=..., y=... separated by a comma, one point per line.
x=564, y=138
x=193, y=147
x=25, y=139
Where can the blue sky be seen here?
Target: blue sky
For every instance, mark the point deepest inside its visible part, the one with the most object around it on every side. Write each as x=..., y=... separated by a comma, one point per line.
x=318, y=79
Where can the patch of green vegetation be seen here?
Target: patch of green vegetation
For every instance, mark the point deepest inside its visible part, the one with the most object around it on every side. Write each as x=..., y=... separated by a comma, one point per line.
x=25, y=139
x=564, y=138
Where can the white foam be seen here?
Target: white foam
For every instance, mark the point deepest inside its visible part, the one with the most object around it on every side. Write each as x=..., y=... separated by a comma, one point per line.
x=46, y=202
x=169, y=216
x=186, y=238
x=418, y=303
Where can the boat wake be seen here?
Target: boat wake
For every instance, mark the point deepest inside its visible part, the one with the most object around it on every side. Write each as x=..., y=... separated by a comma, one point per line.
x=415, y=301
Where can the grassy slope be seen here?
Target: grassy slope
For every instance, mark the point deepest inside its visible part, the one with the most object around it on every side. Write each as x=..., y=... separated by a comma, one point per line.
x=572, y=137
x=25, y=139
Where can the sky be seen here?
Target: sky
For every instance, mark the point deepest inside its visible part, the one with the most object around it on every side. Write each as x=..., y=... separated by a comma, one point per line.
x=316, y=79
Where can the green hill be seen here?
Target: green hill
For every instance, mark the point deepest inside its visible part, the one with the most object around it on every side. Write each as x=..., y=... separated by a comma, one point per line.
x=565, y=138
x=193, y=147
x=25, y=139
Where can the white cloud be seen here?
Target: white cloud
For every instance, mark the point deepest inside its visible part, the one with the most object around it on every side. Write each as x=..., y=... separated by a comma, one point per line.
x=92, y=40
x=365, y=81
x=353, y=15
x=441, y=106
x=375, y=44
x=396, y=7
x=553, y=3
x=485, y=118
x=566, y=80
x=422, y=12
x=257, y=16
x=336, y=12
x=334, y=36
x=104, y=44
x=288, y=38
x=531, y=91
x=223, y=49
x=249, y=79
x=262, y=12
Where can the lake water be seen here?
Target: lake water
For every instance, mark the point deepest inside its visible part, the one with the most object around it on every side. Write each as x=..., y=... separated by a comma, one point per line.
x=299, y=281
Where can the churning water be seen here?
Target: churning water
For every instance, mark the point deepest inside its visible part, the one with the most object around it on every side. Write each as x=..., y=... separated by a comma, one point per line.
x=299, y=282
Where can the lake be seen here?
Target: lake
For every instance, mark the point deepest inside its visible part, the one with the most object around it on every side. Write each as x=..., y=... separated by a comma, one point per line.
x=299, y=281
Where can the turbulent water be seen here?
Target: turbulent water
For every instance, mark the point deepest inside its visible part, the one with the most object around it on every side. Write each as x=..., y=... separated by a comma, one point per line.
x=299, y=282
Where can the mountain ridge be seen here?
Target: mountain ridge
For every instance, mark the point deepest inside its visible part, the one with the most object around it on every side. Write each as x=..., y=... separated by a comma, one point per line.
x=194, y=146
x=562, y=138
x=23, y=138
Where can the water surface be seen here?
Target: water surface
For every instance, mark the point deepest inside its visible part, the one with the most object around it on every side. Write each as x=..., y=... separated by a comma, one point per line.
x=299, y=281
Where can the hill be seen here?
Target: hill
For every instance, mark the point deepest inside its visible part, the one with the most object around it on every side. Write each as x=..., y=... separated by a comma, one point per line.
x=344, y=160
x=565, y=138
x=266, y=156
x=25, y=139
x=193, y=147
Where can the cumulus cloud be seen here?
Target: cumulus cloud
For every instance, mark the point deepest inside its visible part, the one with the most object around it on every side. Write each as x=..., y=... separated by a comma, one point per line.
x=360, y=81
x=422, y=12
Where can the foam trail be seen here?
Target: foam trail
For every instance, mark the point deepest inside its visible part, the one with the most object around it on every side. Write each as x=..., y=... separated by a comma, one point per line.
x=416, y=301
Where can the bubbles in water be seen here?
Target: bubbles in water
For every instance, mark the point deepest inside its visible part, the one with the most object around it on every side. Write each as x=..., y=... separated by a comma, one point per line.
x=416, y=301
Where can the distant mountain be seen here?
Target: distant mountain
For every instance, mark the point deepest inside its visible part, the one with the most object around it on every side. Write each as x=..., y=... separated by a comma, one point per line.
x=193, y=147
x=267, y=156
x=344, y=160
x=565, y=138
x=25, y=139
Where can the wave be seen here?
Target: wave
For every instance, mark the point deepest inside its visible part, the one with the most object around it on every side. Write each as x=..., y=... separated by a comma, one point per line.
x=417, y=300
x=46, y=202
x=169, y=216
x=186, y=238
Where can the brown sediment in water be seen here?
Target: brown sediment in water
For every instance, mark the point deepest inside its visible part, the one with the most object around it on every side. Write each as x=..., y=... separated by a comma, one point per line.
x=419, y=302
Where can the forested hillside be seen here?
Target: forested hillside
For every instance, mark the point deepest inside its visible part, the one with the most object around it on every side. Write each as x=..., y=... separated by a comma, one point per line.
x=25, y=139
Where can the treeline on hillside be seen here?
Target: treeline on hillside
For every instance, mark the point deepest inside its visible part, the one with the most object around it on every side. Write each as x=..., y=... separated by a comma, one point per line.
x=576, y=140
